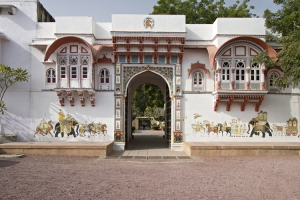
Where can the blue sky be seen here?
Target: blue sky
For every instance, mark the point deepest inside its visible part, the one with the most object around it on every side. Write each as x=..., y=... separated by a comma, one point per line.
x=101, y=10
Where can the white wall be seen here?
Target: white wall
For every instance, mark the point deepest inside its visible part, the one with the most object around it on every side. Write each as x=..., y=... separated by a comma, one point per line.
x=280, y=108
x=162, y=23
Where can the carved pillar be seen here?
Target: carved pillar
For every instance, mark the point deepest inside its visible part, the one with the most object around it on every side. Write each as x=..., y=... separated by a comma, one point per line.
x=232, y=78
x=247, y=78
x=68, y=75
x=218, y=79
x=263, y=78
x=128, y=57
x=141, y=57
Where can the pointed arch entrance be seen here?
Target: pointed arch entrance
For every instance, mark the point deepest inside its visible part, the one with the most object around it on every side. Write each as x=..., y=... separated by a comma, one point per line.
x=129, y=77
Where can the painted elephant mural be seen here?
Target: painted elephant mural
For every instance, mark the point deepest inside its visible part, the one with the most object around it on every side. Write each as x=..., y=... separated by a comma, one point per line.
x=68, y=126
x=236, y=128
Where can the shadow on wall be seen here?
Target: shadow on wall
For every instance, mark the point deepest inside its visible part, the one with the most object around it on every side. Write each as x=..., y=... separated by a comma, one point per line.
x=12, y=124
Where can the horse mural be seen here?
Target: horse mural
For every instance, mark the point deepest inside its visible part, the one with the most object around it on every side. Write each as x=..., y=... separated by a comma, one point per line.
x=211, y=128
x=197, y=127
x=44, y=128
x=223, y=127
x=93, y=129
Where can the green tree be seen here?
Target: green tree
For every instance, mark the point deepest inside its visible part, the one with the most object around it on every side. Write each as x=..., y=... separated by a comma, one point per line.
x=203, y=11
x=285, y=28
x=9, y=76
x=148, y=97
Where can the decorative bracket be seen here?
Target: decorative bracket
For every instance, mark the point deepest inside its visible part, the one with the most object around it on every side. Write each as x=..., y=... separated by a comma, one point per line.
x=246, y=98
x=92, y=98
x=81, y=98
x=60, y=98
x=260, y=100
x=70, y=96
x=217, y=102
x=229, y=103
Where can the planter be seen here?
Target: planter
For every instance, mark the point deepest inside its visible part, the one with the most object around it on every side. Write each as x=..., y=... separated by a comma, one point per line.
x=6, y=138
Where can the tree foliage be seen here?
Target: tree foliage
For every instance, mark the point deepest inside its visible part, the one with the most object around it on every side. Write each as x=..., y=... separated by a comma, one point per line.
x=285, y=28
x=148, y=98
x=9, y=76
x=203, y=11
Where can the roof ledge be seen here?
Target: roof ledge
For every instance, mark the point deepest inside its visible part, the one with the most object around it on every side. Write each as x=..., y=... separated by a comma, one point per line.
x=8, y=9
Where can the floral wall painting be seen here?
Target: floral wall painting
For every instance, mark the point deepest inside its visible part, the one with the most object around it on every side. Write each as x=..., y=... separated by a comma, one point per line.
x=118, y=124
x=177, y=114
x=118, y=80
x=258, y=127
x=178, y=70
x=118, y=103
x=68, y=126
x=118, y=69
x=178, y=127
x=178, y=105
x=178, y=80
x=118, y=114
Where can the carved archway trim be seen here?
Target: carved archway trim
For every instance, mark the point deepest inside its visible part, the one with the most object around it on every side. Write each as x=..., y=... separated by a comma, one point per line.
x=198, y=65
x=129, y=72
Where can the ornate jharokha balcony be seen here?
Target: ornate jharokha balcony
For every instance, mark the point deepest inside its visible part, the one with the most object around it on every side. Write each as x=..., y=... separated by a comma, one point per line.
x=73, y=94
x=243, y=98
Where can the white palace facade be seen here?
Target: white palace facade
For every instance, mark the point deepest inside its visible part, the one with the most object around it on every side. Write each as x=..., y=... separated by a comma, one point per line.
x=83, y=75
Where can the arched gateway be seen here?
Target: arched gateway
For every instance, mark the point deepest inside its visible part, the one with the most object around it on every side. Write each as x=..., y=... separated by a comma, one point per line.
x=128, y=78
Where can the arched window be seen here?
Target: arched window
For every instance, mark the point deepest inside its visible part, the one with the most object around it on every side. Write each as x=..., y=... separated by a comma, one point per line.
x=50, y=75
x=198, y=81
x=271, y=79
x=104, y=79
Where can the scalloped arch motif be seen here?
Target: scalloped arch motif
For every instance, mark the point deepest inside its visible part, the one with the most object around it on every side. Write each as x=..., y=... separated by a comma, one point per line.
x=130, y=71
x=198, y=65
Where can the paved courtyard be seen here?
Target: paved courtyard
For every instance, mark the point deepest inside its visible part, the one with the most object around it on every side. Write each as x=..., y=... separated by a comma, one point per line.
x=71, y=177
x=74, y=177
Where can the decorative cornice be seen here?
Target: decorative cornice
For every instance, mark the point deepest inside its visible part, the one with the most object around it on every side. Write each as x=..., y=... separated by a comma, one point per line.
x=225, y=35
x=75, y=34
x=147, y=33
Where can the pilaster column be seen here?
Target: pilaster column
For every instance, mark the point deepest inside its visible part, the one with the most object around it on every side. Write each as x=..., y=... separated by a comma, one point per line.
x=248, y=78
x=232, y=78
x=263, y=78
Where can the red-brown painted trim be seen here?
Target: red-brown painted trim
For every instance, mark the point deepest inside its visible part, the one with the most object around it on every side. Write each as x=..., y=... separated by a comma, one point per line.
x=198, y=65
x=271, y=52
x=57, y=43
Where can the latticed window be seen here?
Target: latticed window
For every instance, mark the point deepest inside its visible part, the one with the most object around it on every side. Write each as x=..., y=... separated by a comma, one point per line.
x=240, y=71
x=197, y=80
x=226, y=71
x=161, y=59
x=147, y=59
x=134, y=58
x=84, y=72
x=73, y=72
x=122, y=58
x=62, y=72
x=104, y=76
x=255, y=72
x=174, y=59
x=50, y=74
